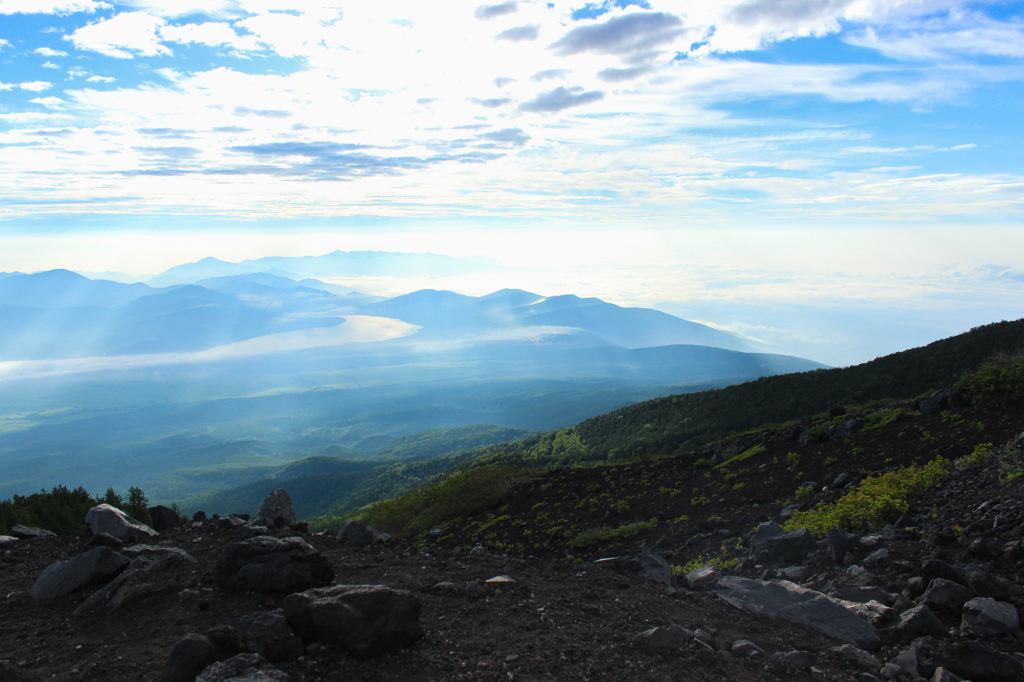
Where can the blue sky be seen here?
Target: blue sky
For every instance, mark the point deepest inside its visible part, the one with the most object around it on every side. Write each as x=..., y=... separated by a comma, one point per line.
x=826, y=155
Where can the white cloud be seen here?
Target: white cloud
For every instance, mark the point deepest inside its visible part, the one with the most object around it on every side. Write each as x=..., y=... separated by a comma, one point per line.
x=35, y=86
x=61, y=7
x=209, y=33
x=100, y=79
x=49, y=52
x=170, y=9
x=50, y=65
x=48, y=101
x=4, y=43
x=121, y=36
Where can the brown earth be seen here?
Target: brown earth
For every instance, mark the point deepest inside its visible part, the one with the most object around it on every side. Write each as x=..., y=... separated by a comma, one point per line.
x=564, y=617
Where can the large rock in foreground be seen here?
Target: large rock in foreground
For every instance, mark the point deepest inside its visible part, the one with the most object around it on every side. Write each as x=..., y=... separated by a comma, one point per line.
x=110, y=520
x=269, y=564
x=64, y=577
x=368, y=620
x=783, y=599
x=168, y=569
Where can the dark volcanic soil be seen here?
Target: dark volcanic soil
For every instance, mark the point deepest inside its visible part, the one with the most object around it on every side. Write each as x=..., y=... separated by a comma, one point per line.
x=565, y=617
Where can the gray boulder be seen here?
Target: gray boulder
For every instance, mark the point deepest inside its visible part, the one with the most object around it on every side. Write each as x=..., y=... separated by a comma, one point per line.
x=243, y=668
x=764, y=532
x=29, y=533
x=789, y=548
x=104, y=540
x=842, y=480
x=163, y=518
x=106, y=519
x=987, y=617
x=276, y=511
x=268, y=634
x=190, y=656
x=981, y=581
x=361, y=535
x=269, y=564
x=918, y=622
x=368, y=620
x=970, y=660
x=172, y=569
x=64, y=577
x=7, y=540
x=703, y=578
x=785, y=600
x=945, y=596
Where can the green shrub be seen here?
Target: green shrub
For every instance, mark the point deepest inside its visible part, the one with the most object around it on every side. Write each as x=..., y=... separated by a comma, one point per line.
x=702, y=463
x=801, y=493
x=462, y=494
x=793, y=459
x=880, y=418
x=875, y=502
x=1003, y=375
x=592, y=536
x=980, y=454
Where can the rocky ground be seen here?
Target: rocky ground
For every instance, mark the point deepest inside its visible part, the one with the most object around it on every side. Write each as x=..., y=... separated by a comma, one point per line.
x=563, y=613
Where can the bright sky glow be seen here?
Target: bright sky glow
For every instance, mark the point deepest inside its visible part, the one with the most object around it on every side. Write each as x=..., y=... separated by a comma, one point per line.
x=710, y=158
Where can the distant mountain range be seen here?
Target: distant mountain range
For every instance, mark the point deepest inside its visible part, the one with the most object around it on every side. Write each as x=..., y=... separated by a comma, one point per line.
x=336, y=264
x=261, y=369
x=60, y=314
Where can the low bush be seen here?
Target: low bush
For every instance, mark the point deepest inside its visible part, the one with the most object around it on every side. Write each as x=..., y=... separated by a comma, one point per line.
x=462, y=494
x=592, y=536
x=880, y=418
x=878, y=500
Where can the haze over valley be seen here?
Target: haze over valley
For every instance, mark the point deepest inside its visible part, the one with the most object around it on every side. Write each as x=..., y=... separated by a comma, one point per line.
x=216, y=370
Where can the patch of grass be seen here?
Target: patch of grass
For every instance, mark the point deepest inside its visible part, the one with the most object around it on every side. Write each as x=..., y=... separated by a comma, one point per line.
x=880, y=418
x=700, y=501
x=793, y=459
x=746, y=454
x=462, y=494
x=702, y=463
x=981, y=453
x=801, y=493
x=878, y=500
x=592, y=536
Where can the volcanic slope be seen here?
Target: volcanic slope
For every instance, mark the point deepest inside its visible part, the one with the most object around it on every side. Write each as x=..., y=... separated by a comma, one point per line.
x=570, y=615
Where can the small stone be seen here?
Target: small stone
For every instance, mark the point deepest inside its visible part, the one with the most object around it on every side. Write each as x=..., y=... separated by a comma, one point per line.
x=877, y=558
x=500, y=580
x=858, y=657
x=943, y=675
x=745, y=648
x=797, y=660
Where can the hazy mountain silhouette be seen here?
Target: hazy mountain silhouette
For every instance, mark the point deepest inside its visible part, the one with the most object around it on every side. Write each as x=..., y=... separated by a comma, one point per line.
x=66, y=289
x=336, y=264
x=443, y=313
